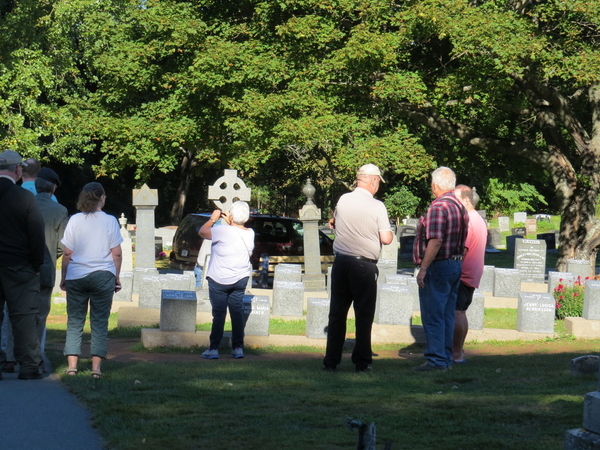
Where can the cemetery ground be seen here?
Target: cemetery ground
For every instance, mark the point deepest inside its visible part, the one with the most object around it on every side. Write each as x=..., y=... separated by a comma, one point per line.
x=509, y=395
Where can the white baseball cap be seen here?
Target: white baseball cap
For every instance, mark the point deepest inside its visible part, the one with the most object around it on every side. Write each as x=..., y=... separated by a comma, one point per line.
x=370, y=169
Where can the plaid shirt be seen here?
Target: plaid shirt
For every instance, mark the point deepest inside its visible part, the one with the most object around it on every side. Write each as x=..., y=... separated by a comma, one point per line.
x=446, y=219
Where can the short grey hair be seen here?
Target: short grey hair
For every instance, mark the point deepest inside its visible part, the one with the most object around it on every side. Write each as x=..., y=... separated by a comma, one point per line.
x=444, y=178
x=240, y=212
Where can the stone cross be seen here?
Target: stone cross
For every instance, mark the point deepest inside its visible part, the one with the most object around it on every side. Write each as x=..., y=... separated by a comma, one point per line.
x=145, y=200
x=227, y=190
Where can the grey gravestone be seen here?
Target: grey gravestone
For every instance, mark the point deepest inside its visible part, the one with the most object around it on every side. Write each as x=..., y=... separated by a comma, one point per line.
x=406, y=280
x=178, y=311
x=530, y=259
x=167, y=235
x=535, y=313
x=591, y=300
x=317, y=317
x=288, y=298
x=589, y=437
x=145, y=200
x=329, y=280
x=257, y=313
x=412, y=222
x=395, y=278
x=503, y=224
x=406, y=247
x=287, y=272
x=550, y=239
x=475, y=312
x=580, y=268
x=127, y=252
x=203, y=300
x=394, y=304
x=531, y=226
x=556, y=278
x=507, y=282
x=519, y=217
x=494, y=238
x=152, y=285
x=389, y=252
x=124, y=295
x=487, y=279
x=138, y=272
x=387, y=266
x=510, y=242
x=518, y=231
x=313, y=279
x=227, y=190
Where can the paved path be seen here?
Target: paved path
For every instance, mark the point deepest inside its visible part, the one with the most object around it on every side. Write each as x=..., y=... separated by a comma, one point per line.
x=43, y=415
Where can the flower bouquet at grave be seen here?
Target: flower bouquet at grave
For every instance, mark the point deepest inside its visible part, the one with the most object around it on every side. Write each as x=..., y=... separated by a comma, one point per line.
x=568, y=298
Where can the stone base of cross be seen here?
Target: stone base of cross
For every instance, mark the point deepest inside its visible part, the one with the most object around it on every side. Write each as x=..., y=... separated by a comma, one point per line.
x=227, y=190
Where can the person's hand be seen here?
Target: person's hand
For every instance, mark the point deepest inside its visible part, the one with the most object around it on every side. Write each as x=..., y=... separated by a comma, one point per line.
x=62, y=285
x=216, y=215
x=332, y=223
x=421, y=277
x=117, y=285
x=227, y=217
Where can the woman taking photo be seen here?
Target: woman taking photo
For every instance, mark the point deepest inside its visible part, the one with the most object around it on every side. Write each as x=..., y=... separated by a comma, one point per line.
x=227, y=274
x=91, y=264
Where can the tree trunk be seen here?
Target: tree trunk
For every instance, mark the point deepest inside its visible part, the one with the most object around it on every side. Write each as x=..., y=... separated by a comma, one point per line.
x=186, y=171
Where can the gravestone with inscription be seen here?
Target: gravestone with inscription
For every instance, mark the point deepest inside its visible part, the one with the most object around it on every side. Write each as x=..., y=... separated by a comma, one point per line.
x=580, y=268
x=394, y=304
x=406, y=280
x=556, y=278
x=591, y=300
x=178, y=311
x=510, y=242
x=530, y=259
x=257, y=314
x=519, y=217
x=287, y=272
x=317, y=317
x=507, y=282
x=531, y=226
x=406, y=247
x=535, y=313
x=503, y=224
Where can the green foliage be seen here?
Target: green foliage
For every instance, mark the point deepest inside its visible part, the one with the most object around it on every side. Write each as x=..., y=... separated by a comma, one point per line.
x=568, y=298
x=508, y=198
x=401, y=202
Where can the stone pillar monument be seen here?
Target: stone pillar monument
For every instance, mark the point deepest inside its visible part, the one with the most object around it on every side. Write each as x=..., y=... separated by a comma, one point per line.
x=313, y=277
x=145, y=200
x=588, y=436
x=127, y=262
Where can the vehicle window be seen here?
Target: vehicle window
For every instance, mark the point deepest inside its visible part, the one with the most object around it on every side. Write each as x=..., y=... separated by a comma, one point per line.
x=298, y=230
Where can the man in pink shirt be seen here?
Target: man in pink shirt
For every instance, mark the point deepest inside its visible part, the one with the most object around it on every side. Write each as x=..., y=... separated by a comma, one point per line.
x=472, y=268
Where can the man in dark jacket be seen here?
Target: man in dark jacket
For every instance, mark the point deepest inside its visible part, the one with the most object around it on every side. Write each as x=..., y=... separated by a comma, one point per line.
x=55, y=220
x=22, y=246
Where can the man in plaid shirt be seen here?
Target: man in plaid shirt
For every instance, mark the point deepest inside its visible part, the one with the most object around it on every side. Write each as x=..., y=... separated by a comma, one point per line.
x=438, y=252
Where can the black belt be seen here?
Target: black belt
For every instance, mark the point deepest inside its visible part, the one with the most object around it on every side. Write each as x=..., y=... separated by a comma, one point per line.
x=360, y=258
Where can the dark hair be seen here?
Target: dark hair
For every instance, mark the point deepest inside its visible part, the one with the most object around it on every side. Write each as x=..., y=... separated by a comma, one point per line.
x=32, y=168
x=89, y=197
x=44, y=186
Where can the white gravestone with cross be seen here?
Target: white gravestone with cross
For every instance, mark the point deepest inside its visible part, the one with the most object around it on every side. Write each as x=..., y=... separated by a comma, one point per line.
x=227, y=190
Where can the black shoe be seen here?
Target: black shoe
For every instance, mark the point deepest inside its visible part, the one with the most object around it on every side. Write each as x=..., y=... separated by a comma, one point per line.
x=364, y=368
x=9, y=367
x=426, y=367
x=31, y=376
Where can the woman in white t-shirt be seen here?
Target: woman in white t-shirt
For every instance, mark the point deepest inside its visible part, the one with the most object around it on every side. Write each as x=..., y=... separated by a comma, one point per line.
x=91, y=264
x=227, y=274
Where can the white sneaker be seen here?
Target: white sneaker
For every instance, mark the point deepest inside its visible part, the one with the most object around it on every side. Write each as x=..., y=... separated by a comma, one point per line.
x=237, y=352
x=210, y=354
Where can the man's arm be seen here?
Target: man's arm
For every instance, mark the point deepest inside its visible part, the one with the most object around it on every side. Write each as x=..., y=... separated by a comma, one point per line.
x=386, y=237
x=432, y=249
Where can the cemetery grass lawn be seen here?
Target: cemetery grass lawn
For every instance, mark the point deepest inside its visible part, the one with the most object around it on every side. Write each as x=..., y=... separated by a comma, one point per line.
x=513, y=396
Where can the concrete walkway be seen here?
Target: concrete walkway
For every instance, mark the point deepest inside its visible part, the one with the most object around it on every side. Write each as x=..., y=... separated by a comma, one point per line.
x=43, y=415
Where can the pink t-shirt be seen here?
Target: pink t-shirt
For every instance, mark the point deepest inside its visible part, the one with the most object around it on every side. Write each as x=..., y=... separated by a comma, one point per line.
x=472, y=267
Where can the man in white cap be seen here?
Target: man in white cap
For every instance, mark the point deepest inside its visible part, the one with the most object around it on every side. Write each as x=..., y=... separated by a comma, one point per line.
x=22, y=246
x=361, y=226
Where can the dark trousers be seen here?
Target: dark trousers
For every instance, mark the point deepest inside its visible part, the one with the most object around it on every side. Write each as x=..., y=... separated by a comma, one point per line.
x=44, y=304
x=223, y=296
x=352, y=281
x=19, y=289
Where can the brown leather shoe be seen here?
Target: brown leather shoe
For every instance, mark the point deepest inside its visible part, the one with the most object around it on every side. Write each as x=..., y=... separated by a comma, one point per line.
x=9, y=367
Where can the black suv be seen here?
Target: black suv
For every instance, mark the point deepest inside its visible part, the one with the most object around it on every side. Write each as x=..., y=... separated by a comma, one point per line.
x=279, y=237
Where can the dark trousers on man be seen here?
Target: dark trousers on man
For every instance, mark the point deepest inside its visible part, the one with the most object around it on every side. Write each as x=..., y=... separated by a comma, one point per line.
x=352, y=281
x=19, y=289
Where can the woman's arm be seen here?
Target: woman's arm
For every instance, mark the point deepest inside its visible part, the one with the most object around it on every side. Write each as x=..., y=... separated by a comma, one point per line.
x=204, y=230
x=66, y=259
x=117, y=256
